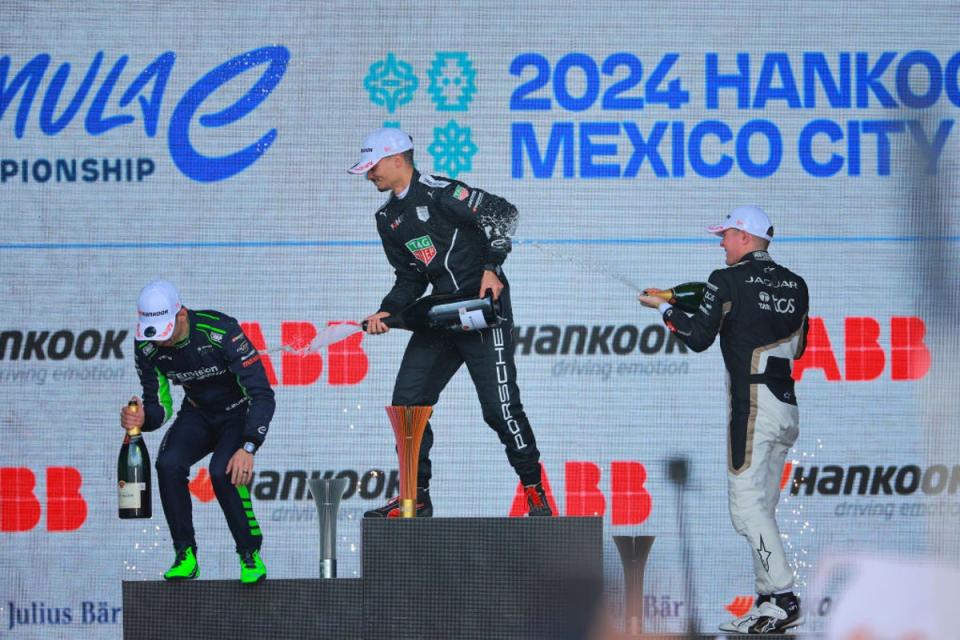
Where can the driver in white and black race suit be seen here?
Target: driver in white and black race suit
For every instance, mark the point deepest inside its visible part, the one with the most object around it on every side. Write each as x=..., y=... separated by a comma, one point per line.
x=759, y=309
x=441, y=232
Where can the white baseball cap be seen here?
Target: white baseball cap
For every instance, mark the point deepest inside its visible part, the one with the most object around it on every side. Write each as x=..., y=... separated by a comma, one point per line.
x=378, y=145
x=157, y=309
x=749, y=218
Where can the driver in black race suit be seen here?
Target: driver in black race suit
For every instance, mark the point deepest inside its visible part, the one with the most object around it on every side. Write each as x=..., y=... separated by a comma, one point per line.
x=441, y=232
x=759, y=309
x=226, y=410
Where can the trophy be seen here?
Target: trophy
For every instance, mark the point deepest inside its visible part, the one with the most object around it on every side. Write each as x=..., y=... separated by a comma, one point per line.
x=409, y=424
x=633, y=554
x=326, y=494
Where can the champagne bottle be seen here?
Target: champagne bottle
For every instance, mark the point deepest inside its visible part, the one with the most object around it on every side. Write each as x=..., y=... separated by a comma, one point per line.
x=447, y=312
x=686, y=297
x=133, y=475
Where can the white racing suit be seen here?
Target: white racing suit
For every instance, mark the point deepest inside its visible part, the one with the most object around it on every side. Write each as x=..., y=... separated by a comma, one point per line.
x=759, y=309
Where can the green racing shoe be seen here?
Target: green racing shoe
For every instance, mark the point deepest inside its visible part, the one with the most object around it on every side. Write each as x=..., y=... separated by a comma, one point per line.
x=252, y=569
x=184, y=567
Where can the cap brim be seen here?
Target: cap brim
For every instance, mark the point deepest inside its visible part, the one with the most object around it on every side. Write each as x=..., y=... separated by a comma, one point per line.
x=157, y=333
x=361, y=167
x=717, y=229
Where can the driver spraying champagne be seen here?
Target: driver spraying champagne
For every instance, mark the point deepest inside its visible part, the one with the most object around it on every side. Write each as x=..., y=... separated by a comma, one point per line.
x=759, y=310
x=455, y=238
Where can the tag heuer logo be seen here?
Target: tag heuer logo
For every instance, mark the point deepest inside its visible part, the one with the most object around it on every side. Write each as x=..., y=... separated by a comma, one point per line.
x=422, y=249
x=423, y=213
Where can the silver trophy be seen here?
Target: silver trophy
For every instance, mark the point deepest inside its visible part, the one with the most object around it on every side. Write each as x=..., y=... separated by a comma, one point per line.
x=633, y=554
x=326, y=494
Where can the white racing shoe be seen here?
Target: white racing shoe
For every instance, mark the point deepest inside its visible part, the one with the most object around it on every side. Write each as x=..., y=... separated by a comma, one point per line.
x=778, y=615
x=744, y=622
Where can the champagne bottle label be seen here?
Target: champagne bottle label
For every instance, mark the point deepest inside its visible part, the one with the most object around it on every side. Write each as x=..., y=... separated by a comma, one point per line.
x=130, y=494
x=472, y=320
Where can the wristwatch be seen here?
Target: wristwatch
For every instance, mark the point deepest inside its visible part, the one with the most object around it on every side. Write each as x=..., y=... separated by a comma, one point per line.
x=493, y=267
x=249, y=447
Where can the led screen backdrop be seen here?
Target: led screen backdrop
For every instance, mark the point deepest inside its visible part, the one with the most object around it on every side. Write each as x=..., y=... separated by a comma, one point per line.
x=208, y=143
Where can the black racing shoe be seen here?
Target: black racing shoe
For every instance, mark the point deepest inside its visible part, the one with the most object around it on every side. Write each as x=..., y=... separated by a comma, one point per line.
x=392, y=508
x=777, y=615
x=537, y=500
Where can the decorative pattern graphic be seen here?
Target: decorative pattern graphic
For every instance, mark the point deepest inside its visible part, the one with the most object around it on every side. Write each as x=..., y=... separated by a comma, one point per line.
x=391, y=83
x=452, y=81
x=452, y=149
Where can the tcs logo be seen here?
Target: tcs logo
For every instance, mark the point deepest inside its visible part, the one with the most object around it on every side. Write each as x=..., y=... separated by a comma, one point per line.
x=863, y=357
x=20, y=508
x=346, y=362
x=630, y=503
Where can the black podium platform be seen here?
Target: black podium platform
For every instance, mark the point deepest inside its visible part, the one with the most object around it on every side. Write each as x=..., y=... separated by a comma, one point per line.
x=207, y=609
x=480, y=577
x=443, y=578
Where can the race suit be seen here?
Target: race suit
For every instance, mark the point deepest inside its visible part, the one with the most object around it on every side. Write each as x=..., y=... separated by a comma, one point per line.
x=445, y=234
x=759, y=308
x=228, y=401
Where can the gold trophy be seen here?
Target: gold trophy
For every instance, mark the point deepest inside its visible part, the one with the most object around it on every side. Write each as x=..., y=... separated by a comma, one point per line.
x=409, y=423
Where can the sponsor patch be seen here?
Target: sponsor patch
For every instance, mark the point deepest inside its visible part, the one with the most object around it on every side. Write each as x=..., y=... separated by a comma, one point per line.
x=396, y=223
x=423, y=213
x=461, y=193
x=422, y=249
x=431, y=181
x=250, y=361
x=216, y=337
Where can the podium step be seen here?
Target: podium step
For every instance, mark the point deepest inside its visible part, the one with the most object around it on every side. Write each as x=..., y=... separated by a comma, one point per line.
x=206, y=609
x=448, y=578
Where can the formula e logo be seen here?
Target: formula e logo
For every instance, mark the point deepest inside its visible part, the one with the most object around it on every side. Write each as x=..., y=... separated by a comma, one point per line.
x=145, y=91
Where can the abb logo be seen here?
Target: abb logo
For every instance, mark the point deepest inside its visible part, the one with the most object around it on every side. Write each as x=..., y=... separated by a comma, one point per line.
x=201, y=486
x=864, y=358
x=740, y=605
x=630, y=503
x=346, y=361
x=20, y=508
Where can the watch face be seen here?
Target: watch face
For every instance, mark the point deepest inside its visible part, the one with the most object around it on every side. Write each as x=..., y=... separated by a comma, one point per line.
x=249, y=448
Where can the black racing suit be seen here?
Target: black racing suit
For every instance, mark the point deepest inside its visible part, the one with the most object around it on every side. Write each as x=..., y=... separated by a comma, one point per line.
x=759, y=308
x=228, y=402
x=445, y=234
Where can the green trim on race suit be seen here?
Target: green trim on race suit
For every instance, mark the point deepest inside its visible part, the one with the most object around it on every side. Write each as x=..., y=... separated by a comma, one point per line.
x=248, y=509
x=205, y=329
x=164, y=396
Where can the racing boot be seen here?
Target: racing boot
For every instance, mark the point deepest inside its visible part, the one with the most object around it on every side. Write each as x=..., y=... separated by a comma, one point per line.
x=185, y=565
x=778, y=614
x=743, y=623
x=424, y=508
x=537, y=500
x=252, y=569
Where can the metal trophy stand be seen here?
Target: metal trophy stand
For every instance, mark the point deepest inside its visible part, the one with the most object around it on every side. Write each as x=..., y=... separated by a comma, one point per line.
x=633, y=554
x=409, y=423
x=327, y=493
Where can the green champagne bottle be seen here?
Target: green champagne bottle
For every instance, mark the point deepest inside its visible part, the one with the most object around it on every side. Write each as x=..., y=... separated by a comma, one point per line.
x=686, y=296
x=133, y=475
